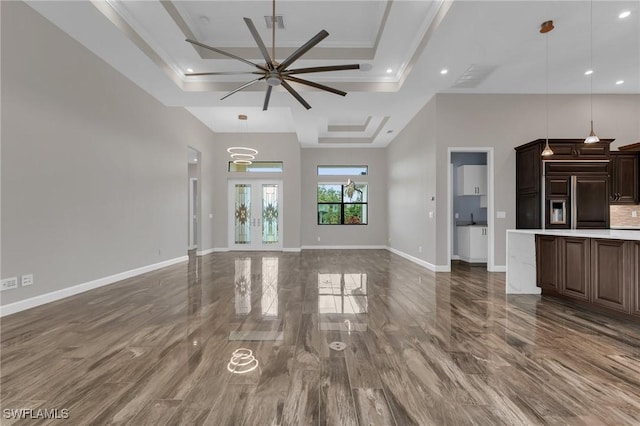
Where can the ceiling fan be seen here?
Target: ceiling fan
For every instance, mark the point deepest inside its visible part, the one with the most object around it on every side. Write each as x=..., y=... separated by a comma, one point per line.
x=274, y=73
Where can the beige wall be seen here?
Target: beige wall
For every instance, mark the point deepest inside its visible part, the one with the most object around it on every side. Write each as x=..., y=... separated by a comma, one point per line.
x=499, y=121
x=94, y=170
x=372, y=234
x=412, y=184
x=271, y=147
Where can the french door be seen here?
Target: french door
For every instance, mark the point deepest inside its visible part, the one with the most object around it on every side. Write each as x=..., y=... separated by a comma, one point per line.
x=255, y=215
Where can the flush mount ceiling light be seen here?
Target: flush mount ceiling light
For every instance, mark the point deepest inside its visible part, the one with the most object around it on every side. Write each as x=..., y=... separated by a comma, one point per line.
x=545, y=28
x=277, y=73
x=592, y=138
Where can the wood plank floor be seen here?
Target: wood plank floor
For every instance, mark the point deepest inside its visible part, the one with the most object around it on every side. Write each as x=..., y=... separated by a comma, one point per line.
x=422, y=348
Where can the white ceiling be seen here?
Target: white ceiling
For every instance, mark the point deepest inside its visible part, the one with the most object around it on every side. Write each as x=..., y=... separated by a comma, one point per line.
x=144, y=40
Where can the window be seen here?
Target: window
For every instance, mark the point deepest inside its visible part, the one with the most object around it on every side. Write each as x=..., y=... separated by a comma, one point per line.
x=340, y=204
x=257, y=167
x=343, y=170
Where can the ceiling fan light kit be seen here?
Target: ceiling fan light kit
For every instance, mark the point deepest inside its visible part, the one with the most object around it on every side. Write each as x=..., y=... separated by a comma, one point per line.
x=274, y=73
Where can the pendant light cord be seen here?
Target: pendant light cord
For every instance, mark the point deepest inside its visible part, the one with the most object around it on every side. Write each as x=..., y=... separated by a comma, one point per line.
x=591, y=63
x=547, y=85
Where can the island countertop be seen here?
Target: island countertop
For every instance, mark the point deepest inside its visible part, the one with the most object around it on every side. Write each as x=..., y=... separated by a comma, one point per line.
x=615, y=234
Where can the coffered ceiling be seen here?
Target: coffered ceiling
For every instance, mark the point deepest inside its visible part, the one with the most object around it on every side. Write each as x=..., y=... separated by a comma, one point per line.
x=402, y=46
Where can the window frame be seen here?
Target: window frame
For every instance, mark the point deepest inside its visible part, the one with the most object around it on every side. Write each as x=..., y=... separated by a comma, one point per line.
x=341, y=203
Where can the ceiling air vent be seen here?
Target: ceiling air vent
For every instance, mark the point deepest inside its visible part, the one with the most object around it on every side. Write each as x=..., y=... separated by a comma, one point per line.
x=279, y=21
x=473, y=76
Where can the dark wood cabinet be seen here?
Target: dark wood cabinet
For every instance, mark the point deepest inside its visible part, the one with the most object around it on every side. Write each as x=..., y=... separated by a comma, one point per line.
x=624, y=178
x=609, y=273
x=591, y=206
x=547, y=262
x=571, y=157
x=528, y=182
x=635, y=278
x=574, y=267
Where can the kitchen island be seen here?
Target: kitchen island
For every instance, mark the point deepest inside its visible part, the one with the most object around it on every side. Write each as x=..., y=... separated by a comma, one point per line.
x=600, y=267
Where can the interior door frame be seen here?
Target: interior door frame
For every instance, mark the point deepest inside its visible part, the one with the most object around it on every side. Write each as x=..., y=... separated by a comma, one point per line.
x=491, y=266
x=193, y=216
x=254, y=246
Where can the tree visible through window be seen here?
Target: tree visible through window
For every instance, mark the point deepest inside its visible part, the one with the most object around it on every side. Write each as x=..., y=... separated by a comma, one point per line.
x=342, y=204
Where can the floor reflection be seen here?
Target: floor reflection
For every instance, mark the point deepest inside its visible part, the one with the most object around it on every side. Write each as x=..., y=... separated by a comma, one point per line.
x=250, y=289
x=342, y=301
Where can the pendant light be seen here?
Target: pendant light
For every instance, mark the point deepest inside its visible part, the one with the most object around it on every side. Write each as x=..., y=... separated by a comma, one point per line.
x=592, y=138
x=545, y=28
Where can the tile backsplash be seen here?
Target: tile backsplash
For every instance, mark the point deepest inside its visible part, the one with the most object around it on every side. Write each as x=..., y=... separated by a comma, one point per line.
x=622, y=215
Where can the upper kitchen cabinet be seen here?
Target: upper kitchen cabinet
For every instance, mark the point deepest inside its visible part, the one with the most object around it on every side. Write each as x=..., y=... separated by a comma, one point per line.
x=624, y=178
x=576, y=149
x=472, y=180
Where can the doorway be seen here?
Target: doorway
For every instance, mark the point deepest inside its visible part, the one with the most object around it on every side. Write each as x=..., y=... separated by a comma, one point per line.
x=470, y=223
x=255, y=215
x=193, y=219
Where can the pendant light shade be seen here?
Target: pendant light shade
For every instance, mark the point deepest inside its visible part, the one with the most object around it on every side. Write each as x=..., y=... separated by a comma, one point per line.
x=545, y=28
x=592, y=138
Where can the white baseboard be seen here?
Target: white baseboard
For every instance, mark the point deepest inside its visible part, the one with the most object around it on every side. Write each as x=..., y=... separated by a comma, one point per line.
x=455, y=257
x=42, y=299
x=423, y=263
x=220, y=249
x=372, y=247
x=204, y=252
x=292, y=250
x=498, y=268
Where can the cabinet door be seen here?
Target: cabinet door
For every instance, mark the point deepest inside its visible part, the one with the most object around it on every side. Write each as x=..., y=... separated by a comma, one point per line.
x=464, y=242
x=478, y=244
x=593, y=151
x=635, y=278
x=609, y=275
x=547, y=262
x=528, y=211
x=624, y=177
x=528, y=172
x=592, y=202
x=575, y=271
x=472, y=180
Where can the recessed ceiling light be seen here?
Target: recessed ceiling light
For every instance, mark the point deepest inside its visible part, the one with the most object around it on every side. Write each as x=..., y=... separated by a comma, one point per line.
x=444, y=71
x=389, y=70
x=619, y=82
x=588, y=72
x=189, y=69
x=624, y=14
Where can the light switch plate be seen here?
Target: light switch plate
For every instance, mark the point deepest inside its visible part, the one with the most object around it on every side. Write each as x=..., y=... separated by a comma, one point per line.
x=26, y=280
x=9, y=283
x=501, y=215
x=634, y=213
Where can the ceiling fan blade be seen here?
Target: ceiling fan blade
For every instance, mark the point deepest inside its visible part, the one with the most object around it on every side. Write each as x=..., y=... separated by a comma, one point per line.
x=194, y=74
x=322, y=69
x=259, y=42
x=295, y=94
x=222, y=52
x=303, y=49
x=267, y=96
x=316, y=85
x=244, y=86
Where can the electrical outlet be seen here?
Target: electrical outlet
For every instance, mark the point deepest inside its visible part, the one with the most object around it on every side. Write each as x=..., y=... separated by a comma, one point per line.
x=26, y=280
x=419, y=249
x=501, y=215
x=430, y=215
x=634, y=213
x=9, y=283
x=318, y=238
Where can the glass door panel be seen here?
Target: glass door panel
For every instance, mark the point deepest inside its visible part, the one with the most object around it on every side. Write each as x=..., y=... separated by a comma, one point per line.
x=255, y=215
